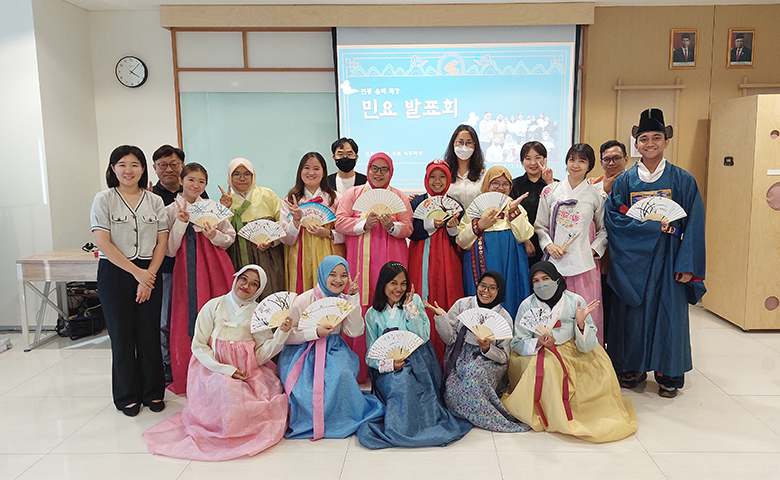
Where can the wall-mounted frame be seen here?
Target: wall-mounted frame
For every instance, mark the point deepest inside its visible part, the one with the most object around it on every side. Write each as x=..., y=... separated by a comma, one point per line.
x=742, y=42
x=683, y=48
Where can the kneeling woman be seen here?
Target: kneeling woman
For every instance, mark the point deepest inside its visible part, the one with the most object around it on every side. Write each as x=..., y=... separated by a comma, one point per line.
x=319, y=370
x=475, y=368
x=411, y=388
x=236, y=405
x=571, y=388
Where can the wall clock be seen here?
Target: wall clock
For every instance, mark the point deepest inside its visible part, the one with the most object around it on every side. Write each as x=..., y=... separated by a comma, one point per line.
x=131, y=71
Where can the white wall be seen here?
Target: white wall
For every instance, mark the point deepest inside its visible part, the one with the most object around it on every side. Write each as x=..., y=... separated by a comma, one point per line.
x=68, y=103
x=144, y=116
x=25, y=222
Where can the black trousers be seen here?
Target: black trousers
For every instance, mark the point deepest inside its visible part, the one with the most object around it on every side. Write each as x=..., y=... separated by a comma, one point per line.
x=134, y=330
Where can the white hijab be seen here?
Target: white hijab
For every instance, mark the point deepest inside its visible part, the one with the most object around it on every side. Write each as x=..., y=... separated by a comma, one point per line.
x=239, y=303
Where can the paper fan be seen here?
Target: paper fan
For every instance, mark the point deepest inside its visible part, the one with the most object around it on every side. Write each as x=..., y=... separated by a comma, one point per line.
x=272, y=311
x=379, y=201
x=439, y=207
x=537, y=320
x=656, y=208
x=486, y=201
x=396, y=345
x=261, y=231
x=485, y=323
x=316, y=214
x=207, y=211
x=325, y=311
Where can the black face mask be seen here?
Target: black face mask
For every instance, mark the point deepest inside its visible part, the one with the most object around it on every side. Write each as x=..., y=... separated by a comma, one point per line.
x=345, y=164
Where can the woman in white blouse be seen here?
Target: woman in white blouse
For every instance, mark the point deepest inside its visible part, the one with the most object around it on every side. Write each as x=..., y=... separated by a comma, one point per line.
x=131, y=231
x=464, y=157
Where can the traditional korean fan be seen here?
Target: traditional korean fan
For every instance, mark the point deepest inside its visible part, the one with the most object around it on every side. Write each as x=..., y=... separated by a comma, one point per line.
x=485, y=202
x=439, y=207
x=316, y=214
x=207, y=211
x=272, y=311
x=485, y=323
x=656, y=208
x=537, y=320
x=325, y=311
x=396, y=345
x=261, y=231
x=379, y=201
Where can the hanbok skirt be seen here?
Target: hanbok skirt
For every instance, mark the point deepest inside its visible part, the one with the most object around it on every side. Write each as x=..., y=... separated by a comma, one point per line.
x=471, y=392
x=503, y=254
x=588, y=286
x=345, y=406
x=415, y=415
x=600, y=413
x=303, y=258
x=225, y=418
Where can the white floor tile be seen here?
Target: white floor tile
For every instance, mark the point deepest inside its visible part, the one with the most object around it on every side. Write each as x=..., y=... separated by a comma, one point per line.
x=71, y=377
x=397, y=463
x=743, y=375
x=765, y=408
x=714, y=342
x=716, y=466
x=556, y=442
x=771, y=340
x=11, y=466
x=579, y=465
x=88, y=466
x=270, y=465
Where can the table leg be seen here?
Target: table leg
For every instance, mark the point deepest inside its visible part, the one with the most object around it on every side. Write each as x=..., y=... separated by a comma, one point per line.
x=23, y=307
x=41, y=316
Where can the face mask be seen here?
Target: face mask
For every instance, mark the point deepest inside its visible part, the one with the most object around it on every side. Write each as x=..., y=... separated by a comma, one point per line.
x=346, y=165
x=545, y=290
x=463, y=152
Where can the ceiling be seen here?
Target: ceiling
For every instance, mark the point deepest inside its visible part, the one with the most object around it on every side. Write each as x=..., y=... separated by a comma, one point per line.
x=154, y=4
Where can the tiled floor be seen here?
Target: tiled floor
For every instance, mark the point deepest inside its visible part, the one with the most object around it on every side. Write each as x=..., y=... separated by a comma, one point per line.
x=57, y=422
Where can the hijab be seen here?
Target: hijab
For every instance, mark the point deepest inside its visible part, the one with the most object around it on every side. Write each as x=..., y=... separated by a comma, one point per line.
x=326, y=266
x=441, y=165
x=492, y=174
x=239, y=302
x=552, y=272
x=233, y=165
x=374, y=158
x=500, y=283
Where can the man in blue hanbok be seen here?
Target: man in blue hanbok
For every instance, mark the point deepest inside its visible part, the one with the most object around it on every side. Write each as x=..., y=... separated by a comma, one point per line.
x=657, y=268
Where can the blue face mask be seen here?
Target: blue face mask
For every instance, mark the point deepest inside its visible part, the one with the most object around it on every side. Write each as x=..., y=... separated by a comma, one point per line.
x=545, y=290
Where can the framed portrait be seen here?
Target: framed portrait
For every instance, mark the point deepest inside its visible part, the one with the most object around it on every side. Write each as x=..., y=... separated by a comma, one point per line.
x=683, y=48
x=742, y=43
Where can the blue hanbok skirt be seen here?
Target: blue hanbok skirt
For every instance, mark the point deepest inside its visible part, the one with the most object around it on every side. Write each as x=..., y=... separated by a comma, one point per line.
x=415, y=414
x=346, y=407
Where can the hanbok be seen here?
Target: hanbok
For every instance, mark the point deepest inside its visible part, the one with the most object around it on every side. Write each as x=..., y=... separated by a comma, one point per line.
x=226, y=418
x=202, y=271
x=319, y=375
x=415, y=414
x=570, y=388
x=566, y=216
x=303, y=251
x=259, y=204
x=367, y=251
x=473, y=388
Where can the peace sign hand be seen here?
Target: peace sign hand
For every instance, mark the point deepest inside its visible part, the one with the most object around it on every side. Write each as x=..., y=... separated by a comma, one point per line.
x=354, y=287
x=435, y=308
x=409, y=296
x=295, y=211
x=226, y=199
x=182, y=214
x=547, y=175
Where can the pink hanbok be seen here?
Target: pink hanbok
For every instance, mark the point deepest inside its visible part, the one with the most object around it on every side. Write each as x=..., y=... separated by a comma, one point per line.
x=224, y=417
x=368, y=251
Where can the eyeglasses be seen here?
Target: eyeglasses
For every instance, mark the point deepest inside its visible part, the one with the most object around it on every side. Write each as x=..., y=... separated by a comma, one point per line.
x=350, y=156
x=242, y=176
x=488, y=288
x=164, y=166
x=616, y=159
x=497, y=184
x=382, y=170
x=243, y=279
x=460, y=143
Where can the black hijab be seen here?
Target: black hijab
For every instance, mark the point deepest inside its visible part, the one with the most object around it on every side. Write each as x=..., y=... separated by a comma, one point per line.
x=500, y=283
x=552, y=272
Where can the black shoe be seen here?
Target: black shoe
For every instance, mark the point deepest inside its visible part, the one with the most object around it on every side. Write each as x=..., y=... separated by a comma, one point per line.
x=157, y=407
x=132, y=411
x=667, y=392
x=631, y=380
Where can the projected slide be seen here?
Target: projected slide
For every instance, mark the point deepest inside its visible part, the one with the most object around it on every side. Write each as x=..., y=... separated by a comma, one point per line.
x=406, y=100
